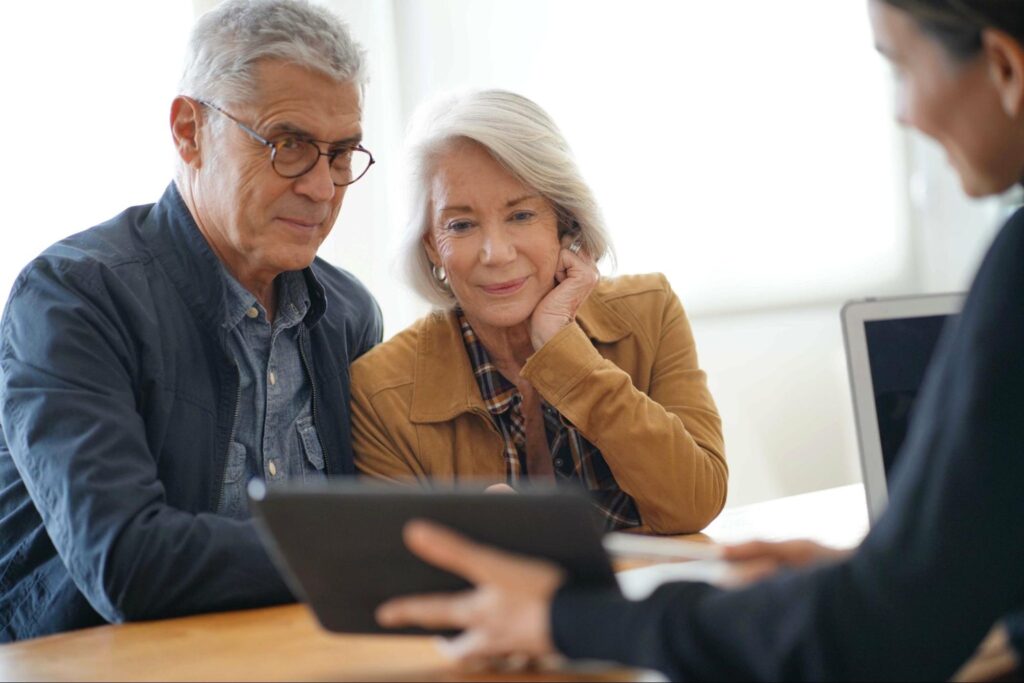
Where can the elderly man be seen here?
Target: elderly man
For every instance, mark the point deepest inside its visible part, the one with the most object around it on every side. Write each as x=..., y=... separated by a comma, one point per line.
x=154, y=364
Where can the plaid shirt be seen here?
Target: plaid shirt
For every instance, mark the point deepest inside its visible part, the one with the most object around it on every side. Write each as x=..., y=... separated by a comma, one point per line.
x=574, y=459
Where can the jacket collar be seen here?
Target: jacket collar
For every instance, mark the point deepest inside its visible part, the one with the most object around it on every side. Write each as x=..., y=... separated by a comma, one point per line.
x=443, y=382
x=195, y=270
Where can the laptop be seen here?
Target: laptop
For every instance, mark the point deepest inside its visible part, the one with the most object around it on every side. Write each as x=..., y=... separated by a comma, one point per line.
x=889, y=343
x=339, y=543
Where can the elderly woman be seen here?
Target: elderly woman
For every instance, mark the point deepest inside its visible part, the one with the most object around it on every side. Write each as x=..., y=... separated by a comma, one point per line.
x=535, y=367
x=946, y=560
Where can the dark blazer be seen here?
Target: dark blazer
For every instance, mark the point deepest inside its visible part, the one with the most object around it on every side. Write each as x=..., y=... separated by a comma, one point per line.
x=944, y=562
x=117, y=401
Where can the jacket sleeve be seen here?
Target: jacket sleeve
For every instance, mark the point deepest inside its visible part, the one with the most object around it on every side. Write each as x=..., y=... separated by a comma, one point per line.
x=938, y=569
x=69, y=397
x=665, y=446
x=384, y=448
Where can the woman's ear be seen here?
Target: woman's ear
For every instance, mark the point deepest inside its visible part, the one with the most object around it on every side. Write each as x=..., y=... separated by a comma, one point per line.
x=431, y=249
x=568, y=232
x=1006, y=69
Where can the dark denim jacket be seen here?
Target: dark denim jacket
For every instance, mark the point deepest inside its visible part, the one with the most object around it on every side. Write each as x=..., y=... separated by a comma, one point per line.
x=117, y=399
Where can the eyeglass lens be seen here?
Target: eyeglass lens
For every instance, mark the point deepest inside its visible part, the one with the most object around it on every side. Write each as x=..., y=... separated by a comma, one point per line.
x=295, y=156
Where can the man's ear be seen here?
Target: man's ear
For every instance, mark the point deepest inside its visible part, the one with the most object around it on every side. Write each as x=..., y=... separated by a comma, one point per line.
x=1005, y=57
x=185, y=120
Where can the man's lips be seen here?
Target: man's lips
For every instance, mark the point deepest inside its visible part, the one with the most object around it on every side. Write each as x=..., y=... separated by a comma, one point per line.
x=507, y=287
x=300, y=222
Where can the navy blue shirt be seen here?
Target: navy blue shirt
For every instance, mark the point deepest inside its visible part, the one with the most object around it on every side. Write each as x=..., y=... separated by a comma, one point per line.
x=118, y=393
x=941, y=566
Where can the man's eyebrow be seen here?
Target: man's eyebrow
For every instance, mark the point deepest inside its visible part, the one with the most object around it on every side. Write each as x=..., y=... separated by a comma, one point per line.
x=292, y=129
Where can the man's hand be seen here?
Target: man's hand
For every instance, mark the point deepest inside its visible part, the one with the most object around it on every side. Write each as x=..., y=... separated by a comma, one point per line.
x=506, y=613
x=576, y=275
x=759, y=559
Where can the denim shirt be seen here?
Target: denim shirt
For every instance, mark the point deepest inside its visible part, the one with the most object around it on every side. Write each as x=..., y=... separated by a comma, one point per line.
x=273, y=437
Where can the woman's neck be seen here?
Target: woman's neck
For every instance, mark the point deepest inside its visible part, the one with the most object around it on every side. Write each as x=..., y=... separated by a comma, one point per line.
x=508, y=347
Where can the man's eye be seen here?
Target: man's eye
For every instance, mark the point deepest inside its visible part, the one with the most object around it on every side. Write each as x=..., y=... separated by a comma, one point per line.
x=288, y=144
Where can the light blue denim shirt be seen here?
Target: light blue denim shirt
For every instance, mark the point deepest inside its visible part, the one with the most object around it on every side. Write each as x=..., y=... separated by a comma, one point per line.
x=274, y=437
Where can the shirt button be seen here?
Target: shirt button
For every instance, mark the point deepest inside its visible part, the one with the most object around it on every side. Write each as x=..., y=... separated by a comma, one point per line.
x=273, y=469
x=273, y=378
x=559, y=462
x=253, y=313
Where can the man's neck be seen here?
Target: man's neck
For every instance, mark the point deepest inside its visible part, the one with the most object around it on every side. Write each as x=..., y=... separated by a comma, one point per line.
x=260, y=283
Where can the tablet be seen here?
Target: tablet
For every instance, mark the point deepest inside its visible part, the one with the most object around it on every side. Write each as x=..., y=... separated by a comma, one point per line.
x=339, y=543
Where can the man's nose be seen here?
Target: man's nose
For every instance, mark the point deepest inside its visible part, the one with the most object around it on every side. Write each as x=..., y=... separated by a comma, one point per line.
x=316, y=183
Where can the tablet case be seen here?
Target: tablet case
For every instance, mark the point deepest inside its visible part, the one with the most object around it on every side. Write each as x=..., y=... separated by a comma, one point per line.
x=339, y=544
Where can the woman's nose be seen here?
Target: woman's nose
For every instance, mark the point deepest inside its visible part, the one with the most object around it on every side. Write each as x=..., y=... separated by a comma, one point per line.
x=497, y=247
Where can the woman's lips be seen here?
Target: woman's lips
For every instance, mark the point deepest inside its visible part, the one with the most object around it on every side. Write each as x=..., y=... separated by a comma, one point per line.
x=508, y=287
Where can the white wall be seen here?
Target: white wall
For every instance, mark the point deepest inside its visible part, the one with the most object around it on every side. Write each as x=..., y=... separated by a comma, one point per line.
x=87, y=88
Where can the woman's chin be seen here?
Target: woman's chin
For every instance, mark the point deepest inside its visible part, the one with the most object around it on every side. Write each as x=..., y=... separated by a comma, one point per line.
x=499, y=315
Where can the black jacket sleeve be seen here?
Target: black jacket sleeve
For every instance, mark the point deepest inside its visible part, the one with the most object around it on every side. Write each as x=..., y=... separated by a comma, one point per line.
x=940, y=567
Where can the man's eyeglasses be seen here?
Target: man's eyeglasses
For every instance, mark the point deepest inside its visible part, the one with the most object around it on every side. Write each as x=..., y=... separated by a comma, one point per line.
x=292, y=155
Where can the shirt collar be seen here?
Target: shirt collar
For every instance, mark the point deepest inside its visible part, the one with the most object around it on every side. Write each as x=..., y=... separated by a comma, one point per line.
x=293, y=299
x=498, y=393
x=444, y=383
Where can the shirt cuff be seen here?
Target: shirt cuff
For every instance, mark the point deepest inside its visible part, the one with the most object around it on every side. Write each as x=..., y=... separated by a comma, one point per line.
x=1015, y=632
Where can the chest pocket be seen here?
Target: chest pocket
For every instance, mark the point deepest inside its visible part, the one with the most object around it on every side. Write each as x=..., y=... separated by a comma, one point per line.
x=314, y=468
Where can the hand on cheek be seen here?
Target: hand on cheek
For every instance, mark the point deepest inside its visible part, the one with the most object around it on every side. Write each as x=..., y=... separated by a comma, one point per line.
x=576, y=276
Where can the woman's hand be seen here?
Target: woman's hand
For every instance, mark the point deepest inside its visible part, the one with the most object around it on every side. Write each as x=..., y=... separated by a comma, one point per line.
x=506, y=613
x=576, y=275
x=759, y=559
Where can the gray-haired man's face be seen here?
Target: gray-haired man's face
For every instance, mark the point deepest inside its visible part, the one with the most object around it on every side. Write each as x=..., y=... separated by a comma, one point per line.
x=259, y=223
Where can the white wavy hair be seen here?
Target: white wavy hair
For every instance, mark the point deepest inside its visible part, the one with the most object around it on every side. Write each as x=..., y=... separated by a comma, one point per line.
x=522, y=138
x=228, y=42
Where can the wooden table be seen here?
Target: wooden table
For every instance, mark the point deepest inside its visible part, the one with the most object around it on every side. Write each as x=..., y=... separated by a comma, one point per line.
x=285, y=643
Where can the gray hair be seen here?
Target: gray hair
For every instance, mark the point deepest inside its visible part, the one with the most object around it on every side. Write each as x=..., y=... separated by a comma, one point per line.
x=522, y=138
x=229, y=40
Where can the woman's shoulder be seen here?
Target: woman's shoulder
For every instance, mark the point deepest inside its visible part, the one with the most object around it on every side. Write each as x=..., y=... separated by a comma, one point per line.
x=391, y=363
x=641, y=284
x=639, y=303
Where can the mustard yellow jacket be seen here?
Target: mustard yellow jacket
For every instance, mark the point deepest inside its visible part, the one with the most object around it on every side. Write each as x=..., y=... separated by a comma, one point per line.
x=625, y=374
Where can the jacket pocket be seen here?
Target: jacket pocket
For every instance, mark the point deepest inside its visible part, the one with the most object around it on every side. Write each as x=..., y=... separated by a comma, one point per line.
x=311, y=444
x=235, y=468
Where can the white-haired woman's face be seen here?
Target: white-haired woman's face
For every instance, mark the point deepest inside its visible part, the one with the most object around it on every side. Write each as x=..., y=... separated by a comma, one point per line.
x=496, y=238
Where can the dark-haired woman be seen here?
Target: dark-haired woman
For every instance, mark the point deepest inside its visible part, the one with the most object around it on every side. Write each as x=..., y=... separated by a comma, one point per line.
x=946, y=561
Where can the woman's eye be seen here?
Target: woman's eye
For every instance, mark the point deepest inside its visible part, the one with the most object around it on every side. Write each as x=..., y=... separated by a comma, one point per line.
x=522, y=215
x=459, y=226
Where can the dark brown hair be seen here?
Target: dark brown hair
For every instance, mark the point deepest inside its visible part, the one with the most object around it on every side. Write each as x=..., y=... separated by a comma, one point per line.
x=958, y=24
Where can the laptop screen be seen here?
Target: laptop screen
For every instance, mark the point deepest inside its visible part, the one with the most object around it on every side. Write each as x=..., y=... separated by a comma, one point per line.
x=899, y=350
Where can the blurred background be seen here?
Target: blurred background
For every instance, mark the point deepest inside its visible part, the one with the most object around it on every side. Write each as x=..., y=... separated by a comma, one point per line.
x=745, y=149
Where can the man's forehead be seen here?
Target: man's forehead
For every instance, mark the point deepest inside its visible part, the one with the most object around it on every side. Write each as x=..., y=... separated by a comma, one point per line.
x=291, y=98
